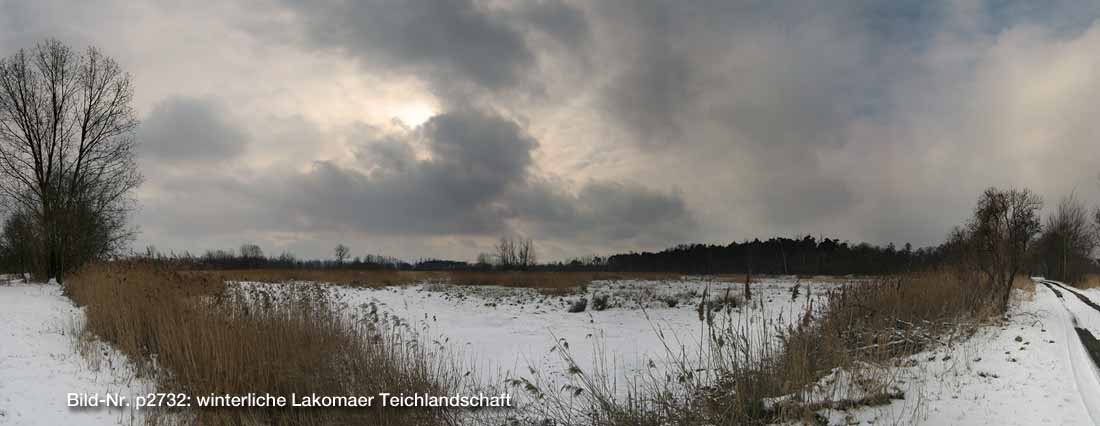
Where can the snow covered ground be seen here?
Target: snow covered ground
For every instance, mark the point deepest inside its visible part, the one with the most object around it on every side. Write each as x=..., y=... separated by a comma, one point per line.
x=40, y=365
x=1031, y=370
x=505, y=331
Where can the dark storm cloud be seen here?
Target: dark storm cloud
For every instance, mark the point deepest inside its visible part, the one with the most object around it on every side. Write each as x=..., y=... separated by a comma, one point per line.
x=188, y=130
x=761, y=91
x=475, y=156
x=556, y=18
x=443, y=40
x=387, y=155
x=605, y=212
x=767, y=74
x=476, y=181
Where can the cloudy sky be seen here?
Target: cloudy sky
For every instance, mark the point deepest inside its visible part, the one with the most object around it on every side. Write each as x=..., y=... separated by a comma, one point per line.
x=430, y=128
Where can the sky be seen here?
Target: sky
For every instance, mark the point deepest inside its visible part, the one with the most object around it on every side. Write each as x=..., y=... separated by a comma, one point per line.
x=432, y=128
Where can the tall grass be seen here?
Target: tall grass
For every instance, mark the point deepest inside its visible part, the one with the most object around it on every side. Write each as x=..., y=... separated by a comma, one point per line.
x=192, y=334
x=754, y=370
x=1090, y=281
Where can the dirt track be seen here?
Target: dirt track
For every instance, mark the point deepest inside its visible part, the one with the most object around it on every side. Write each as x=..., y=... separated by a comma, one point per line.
x=1092, y=345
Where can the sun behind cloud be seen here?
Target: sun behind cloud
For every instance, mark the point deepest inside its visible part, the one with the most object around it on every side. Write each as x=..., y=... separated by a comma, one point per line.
x=415, y=113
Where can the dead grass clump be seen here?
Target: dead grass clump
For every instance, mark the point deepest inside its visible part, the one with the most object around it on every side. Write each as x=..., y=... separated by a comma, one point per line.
x=1024, y=284
x=857, y=332
x=1090, y=281
x=902, y=315
x=720, y=300
x=194, y=335
x=557, y=291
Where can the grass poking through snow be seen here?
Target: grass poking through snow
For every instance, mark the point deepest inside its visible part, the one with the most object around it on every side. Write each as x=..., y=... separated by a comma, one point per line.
x=756, y=370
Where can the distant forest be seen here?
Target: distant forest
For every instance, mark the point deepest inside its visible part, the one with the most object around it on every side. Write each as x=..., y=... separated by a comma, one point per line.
x=803, y=256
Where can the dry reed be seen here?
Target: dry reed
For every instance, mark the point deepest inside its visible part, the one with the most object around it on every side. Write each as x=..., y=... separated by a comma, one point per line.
x=192, y=334
x=758, y=371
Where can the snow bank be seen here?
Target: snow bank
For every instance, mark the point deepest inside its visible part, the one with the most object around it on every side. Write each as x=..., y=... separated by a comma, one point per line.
x=39, y=364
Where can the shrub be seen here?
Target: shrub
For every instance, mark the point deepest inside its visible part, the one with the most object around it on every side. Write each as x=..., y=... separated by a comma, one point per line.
x=578, y=306
x=599, y=302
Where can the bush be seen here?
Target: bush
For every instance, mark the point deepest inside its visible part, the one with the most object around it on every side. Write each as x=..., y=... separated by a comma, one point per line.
x=578, y=306
x=599, y=302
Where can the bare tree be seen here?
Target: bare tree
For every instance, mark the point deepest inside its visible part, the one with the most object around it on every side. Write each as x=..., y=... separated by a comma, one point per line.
x=341, y=252
x=506, y=253
x=251, y=255
x=526, y=256
x=1096, y=223
x=513, y=253
x=1066, y=246
x=1002, y=230
x=251, y=251
x=67, y=150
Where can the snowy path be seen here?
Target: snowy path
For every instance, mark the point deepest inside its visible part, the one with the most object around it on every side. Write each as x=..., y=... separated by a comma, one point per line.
x=39, y=366
x=1084, y=318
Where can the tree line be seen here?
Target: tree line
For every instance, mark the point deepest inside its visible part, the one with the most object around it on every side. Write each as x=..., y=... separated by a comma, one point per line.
x=251, y=256
x=1003, y=238
x=803, y=256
